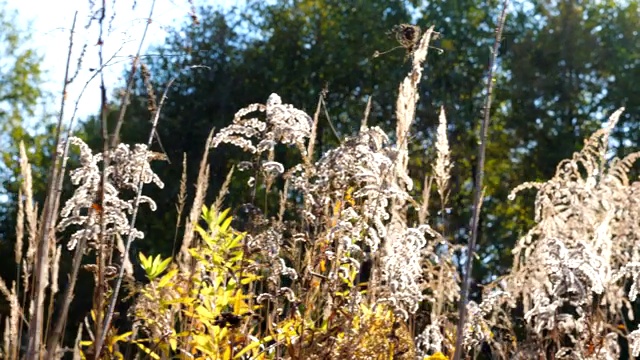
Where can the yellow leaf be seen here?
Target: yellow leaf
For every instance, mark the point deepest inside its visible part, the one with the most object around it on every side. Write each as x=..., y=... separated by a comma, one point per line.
x=222, y=216
x=252, y=346
x=167, y=277
x=236, y=240
x=247, y=279
x=436, y=356
x=201, y=340
x=348, y=197
x=238, y=304
x=148, y=351
x=163, y=265
x=121, y=337
x=337, y=207
x=144, y=261
x=227, y=353
x=225, y=225
x=204, y=312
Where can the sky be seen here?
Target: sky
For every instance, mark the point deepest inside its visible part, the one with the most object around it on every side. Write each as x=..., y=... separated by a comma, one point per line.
x=50, y=23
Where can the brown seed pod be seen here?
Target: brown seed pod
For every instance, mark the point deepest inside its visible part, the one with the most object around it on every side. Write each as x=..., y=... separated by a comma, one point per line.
x=407, y=35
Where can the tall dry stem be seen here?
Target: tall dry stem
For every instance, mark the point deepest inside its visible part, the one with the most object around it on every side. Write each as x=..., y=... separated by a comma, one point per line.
x=49, y=215
x=11, y=336
x=202, y=183
x=182, y=199
x=136, y=205
x=115, y=137
x=405, y=114
x=478, y=187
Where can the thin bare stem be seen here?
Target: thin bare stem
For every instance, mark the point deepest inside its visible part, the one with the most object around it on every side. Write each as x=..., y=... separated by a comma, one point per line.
x=130, y=82
x=182, y=199
x=49, y=215
x=61, y=320
x=314, y=130
x=367, y=111
x=196, y=207
x=224, y=190
x=478, y=189
x=67, y=296
x=99, y=292
x=136, y=206
x=326, y=113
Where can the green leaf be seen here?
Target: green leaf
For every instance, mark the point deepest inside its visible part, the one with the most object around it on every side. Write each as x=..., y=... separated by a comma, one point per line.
x=167, y=277
x=222, y=216
x=225, y=225
x=163, y=265
x=144, y=262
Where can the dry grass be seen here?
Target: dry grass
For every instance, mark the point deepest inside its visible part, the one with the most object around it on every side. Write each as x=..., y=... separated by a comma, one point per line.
x=571, y=270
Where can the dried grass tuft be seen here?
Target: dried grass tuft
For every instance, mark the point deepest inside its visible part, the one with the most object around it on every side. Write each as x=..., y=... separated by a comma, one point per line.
x=196, y=208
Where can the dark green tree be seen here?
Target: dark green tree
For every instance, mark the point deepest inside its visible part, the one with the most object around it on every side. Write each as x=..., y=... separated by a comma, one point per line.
x=563, y=73
x=20, y=93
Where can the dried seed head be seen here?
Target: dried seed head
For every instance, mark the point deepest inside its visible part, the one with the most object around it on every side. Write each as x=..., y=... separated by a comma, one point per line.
x=407, y=35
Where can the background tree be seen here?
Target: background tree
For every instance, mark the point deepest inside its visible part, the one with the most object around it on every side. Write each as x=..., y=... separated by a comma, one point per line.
x=20, y=80
x=563, y=66
x=20, y=94
x=294, y=48
x=560, y=82
x=559, y=69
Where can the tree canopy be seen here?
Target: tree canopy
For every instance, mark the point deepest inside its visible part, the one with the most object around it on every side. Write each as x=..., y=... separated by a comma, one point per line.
x=562, y=64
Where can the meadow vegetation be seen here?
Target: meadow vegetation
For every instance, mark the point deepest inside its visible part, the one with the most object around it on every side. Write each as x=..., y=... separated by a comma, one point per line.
x=335, y=256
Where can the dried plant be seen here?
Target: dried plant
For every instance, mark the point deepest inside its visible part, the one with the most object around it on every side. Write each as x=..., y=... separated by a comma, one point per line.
x=338, y=269
x=442, y=167
x=352, y=203
x=198, y=201
x=182, y=200
x=283, y=124
x=407, y=35
x=92, y=201
x=572, y=268
x=478, y=181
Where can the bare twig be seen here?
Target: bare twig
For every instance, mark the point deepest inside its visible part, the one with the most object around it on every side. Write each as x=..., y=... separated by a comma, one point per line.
x=98, y=297
x=67, y=296
x=58, y=327
x=97, y=72
x=136, y=205
x=478, y=189
x=367, y=111
x=49, y=215
x=130, y=82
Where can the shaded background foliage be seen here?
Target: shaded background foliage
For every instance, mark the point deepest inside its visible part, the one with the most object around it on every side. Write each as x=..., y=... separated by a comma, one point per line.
x=564, y=66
